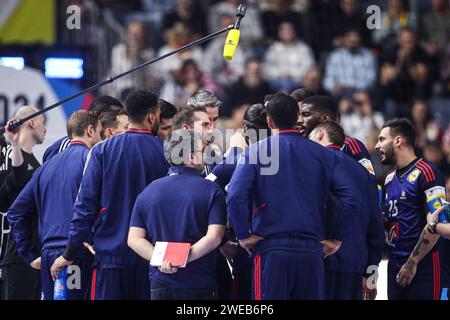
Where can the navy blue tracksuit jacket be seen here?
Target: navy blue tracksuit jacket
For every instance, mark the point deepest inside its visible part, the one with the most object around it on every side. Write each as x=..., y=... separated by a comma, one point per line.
x=58, y=146
x=117, y=170
x=289, y=211
x=363, y=245
x=50, y=195
x=238, y=286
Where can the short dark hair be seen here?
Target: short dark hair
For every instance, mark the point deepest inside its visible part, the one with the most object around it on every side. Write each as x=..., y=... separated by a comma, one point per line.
x=179, y=145
x=139, y=103
x=185, y=115
x=283, y=110
x=301, y=94
x=323, y=104
x=168, y=110
x=255, y=116
x=402, y=127
x=335, y=132
x=109, y=119
x=105, y=103
x=79, y=121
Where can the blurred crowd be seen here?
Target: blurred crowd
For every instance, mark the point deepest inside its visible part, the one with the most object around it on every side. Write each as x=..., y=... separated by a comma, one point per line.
x=401, y=68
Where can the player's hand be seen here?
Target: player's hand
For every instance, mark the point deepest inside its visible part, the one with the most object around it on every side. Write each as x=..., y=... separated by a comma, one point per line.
x=58, y=265
x=369, y=293
x=166, y=267
x=433, y=217
x=89, y=247
x=12, y=135
x=330, y=247
x=250, y=243
x=36, y=264
x=406, y=274
x=229, y=249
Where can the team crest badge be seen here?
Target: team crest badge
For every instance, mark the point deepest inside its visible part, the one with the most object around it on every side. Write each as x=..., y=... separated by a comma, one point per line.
x=413, y=175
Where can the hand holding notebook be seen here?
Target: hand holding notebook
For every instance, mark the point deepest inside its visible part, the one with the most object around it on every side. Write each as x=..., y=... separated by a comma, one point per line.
x=175, y=252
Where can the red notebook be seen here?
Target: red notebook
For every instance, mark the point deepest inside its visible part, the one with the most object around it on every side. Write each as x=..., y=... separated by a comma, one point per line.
x=175, y=252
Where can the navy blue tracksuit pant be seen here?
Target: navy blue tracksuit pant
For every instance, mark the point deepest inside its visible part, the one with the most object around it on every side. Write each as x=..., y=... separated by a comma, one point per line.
x=424, y=286
x=288, y=275
x=48, y=257
x=343, y=286
x=242, y=276
x=125, y=283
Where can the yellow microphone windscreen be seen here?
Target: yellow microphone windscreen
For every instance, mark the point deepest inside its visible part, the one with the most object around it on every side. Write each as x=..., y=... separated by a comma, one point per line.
x=231, y=44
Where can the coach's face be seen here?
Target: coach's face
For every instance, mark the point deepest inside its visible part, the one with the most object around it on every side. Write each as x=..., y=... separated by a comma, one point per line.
x=308, y=119
x=39, y=129
x=385, y=146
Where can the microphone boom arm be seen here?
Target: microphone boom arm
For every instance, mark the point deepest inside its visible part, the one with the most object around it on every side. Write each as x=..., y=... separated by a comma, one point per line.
x=19, y=122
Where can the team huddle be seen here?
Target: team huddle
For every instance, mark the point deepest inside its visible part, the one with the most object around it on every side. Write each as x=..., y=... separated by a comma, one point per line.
x=128, y=176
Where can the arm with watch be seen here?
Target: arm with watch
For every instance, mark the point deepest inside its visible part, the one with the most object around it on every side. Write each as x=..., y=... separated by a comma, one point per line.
x=435, y=224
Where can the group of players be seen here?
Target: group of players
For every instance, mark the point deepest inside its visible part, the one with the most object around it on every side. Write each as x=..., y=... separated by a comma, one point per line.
x=128, y=176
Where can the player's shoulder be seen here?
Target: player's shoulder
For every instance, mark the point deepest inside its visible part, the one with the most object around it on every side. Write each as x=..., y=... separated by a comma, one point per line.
x=429, y=170
x=59, y=145
x=355, y=146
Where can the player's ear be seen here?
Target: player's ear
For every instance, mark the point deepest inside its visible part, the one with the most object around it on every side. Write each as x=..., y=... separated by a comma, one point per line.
x=109, y=133
x=270, y=123
x=398, y=140
x=151, y=117
x=321, y=134
x=90, y=130
x=31, y=124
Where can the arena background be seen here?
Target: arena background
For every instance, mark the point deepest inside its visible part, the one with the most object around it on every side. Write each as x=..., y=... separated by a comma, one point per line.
x=51, y=49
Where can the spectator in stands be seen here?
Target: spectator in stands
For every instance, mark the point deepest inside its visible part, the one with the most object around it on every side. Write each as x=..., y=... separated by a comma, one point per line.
x=187, y=81
x=427, y=130
x=130, y=53
x=351, y=67
x=433, y=152
x=280, y=12
x=225, y=72
x=332, y=19
x=447, y=186
x=404, y=75
x=251, y=88
x=445, y=71
x=435, y=31
x=287, y=60
x=251, y=30
x=313, y=81
x=358, y=117
x=176, y=37
x=446, y=145
x=396, y=17
x=349, y=17
x=190, y=13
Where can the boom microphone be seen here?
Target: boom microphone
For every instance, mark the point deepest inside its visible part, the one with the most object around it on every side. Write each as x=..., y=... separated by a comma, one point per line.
x=232, y=40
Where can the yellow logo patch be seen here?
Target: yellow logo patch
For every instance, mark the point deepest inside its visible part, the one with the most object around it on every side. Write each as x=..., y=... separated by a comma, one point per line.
x=413, y=175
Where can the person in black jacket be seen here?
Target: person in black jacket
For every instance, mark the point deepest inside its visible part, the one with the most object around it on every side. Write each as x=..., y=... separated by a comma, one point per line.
x=20, y=280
